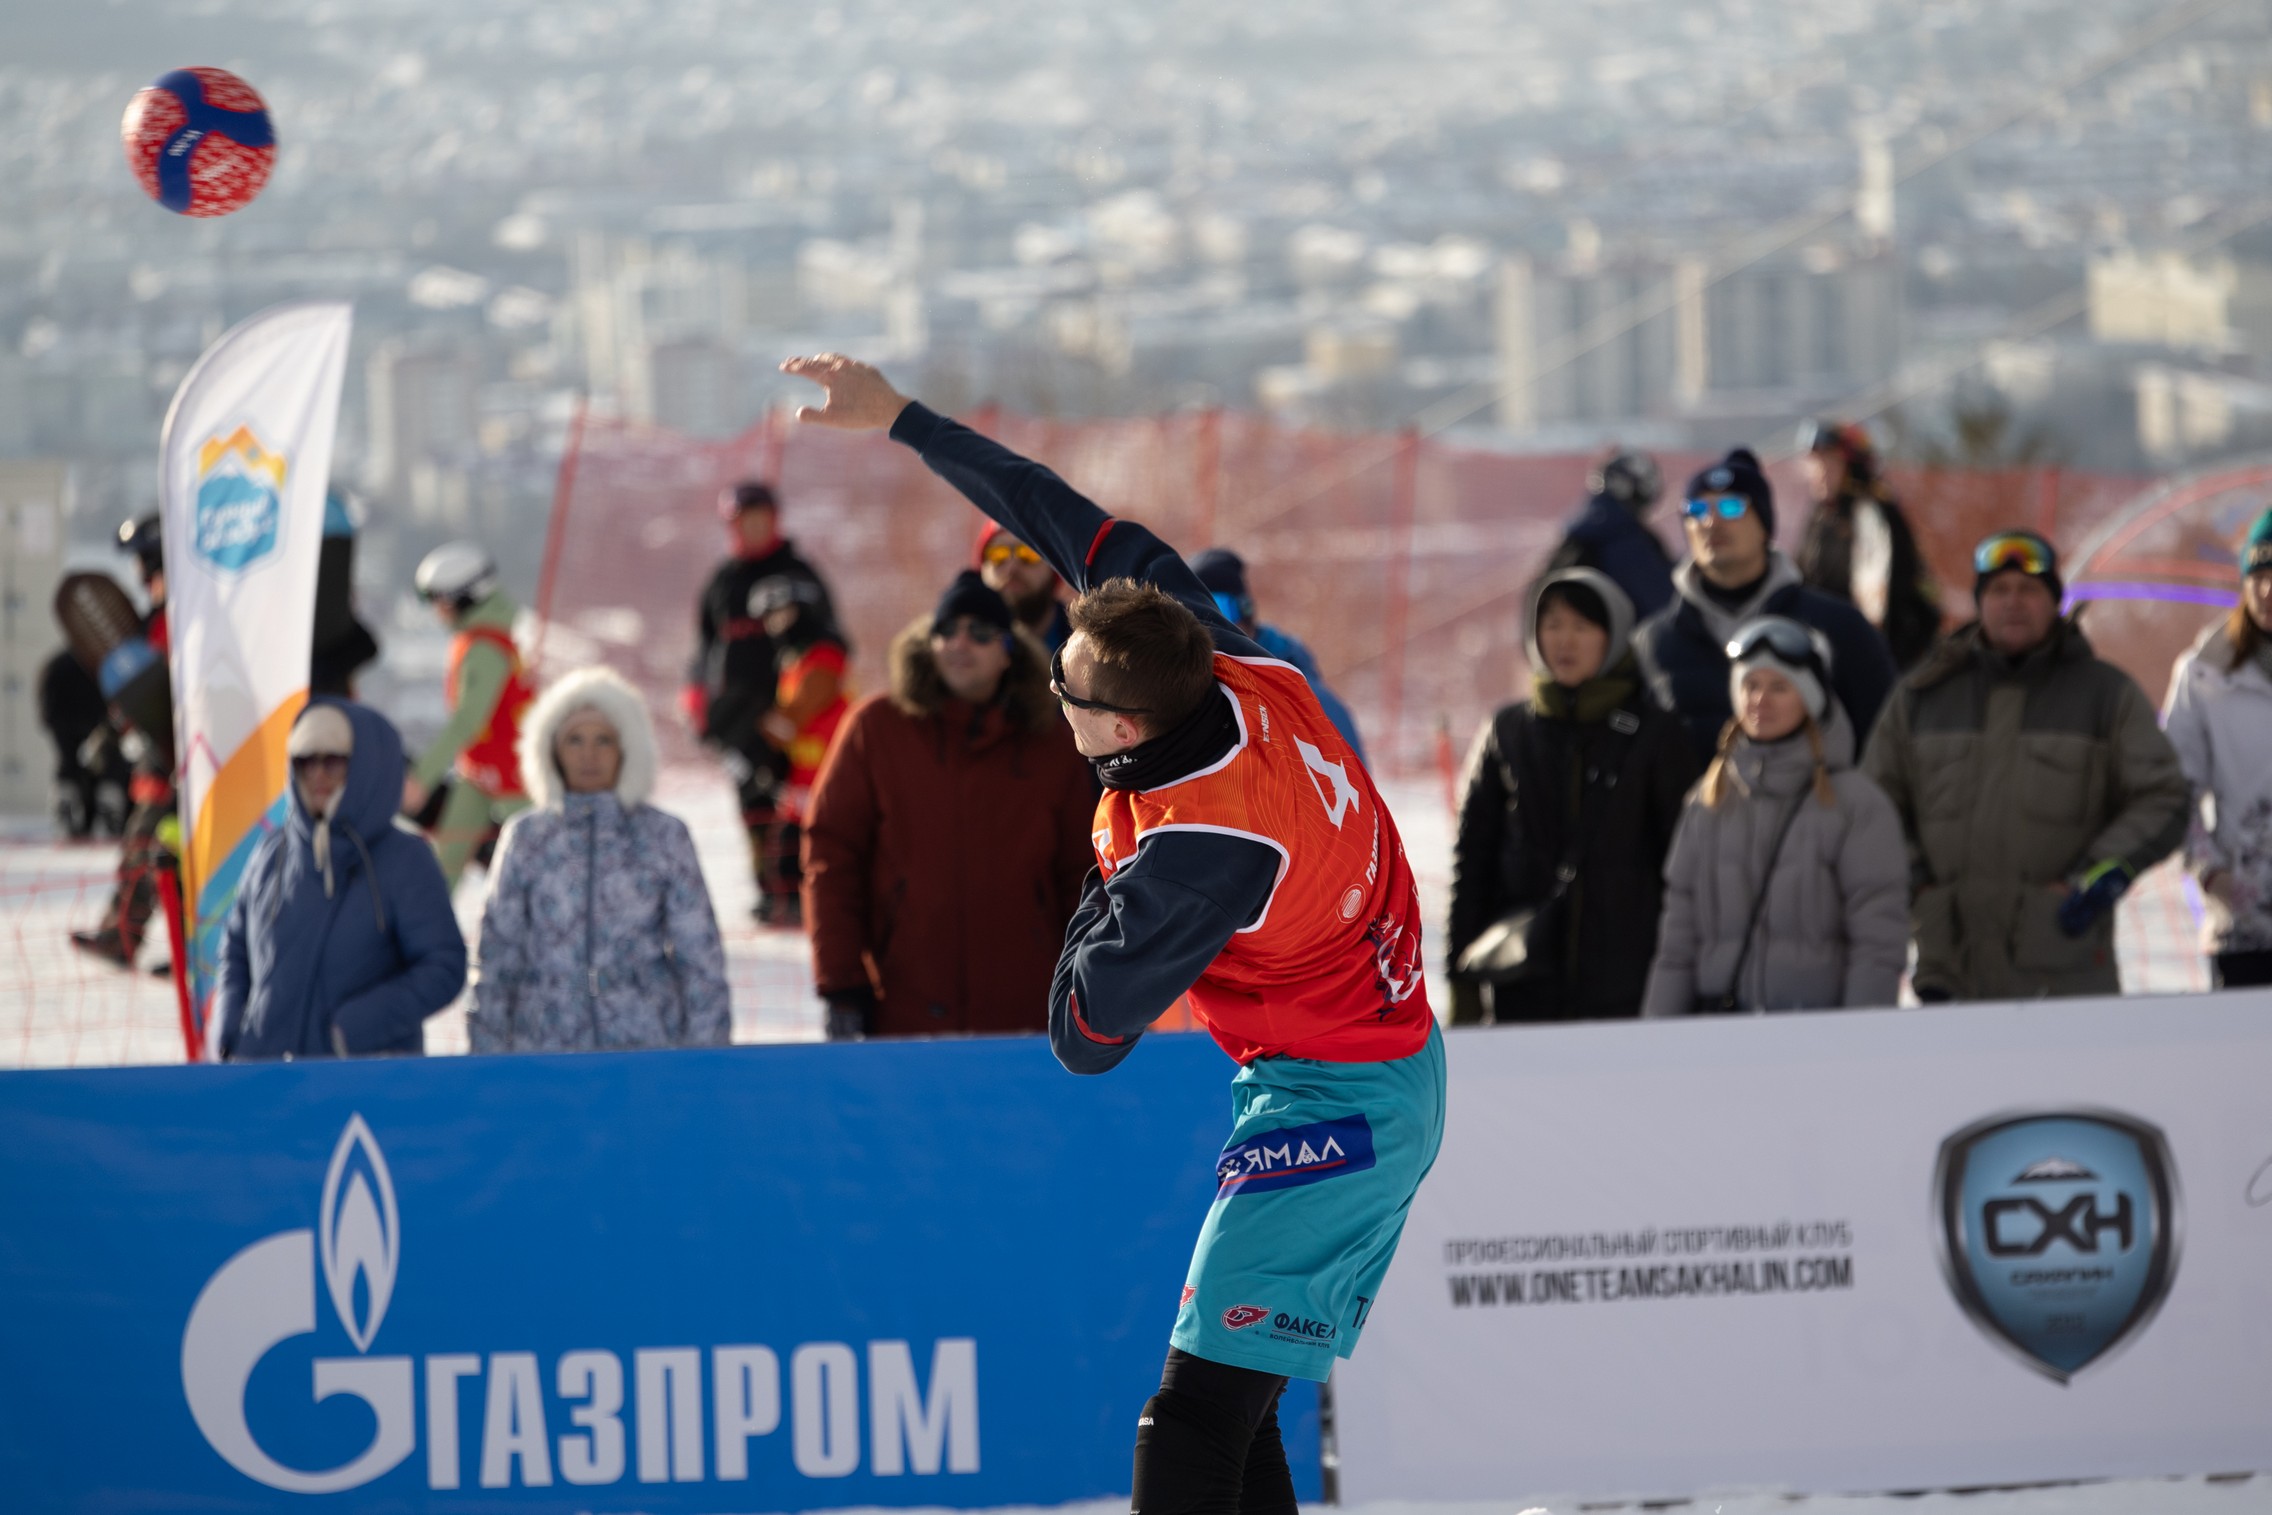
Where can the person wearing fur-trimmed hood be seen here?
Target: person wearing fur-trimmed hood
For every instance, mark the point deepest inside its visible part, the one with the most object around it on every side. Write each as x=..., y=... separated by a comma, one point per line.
x=598, y=933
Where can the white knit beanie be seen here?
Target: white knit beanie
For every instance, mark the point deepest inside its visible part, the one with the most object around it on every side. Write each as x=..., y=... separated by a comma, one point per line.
x=322, y=730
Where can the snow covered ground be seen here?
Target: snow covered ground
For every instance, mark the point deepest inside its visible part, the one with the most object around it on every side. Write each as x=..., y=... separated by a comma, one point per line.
x=2241, y=1495
x=58, y=1009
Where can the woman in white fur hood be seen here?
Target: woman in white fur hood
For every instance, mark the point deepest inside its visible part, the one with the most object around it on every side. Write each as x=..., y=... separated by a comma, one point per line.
x=598, y=932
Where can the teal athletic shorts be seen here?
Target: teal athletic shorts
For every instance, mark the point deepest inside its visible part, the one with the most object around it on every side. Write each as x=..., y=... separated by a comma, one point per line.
x=1314, y=1186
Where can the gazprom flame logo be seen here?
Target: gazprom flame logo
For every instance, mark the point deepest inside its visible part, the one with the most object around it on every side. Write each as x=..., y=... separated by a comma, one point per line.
x=266, y=1295
x=240, y=500
x=360, y=1233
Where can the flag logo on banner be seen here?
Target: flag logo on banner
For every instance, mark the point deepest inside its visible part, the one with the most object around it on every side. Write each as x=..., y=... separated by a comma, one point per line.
x=240, y=500
x=2058, y=1232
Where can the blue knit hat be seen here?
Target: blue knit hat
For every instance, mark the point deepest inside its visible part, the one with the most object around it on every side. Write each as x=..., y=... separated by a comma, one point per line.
x=2256, y=552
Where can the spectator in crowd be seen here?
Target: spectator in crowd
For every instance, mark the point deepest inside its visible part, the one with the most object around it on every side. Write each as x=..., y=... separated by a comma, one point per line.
x=341, y=939
x=1734, y=573
x=137, y=689
x=2033, y=785
x=1223, y=573
x=736, y=674
x=91, y=774
x=598, y=933
x=1858, y=544
x=1610, y=533
x=2220, y=721
x=809, y=706
x=342, y=645
x=949, y=834
x=1565, y=816
x=489, y=694
x=1786, y=885
x=1017, y=573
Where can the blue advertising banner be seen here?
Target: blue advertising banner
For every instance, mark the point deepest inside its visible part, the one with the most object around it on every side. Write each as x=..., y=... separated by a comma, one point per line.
x=780, y=1278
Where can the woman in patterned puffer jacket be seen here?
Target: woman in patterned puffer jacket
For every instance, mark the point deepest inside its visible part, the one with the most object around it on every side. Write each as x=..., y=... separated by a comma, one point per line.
x=598, y=934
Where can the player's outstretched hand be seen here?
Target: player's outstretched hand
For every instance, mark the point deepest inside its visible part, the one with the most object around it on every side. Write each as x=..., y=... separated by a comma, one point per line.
x=859, y=397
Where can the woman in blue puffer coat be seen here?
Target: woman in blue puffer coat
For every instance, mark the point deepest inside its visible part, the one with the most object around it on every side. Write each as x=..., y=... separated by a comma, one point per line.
x=341, y=939
x=598, y=934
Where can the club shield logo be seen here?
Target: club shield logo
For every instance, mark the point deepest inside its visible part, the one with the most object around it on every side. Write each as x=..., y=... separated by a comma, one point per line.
x=2059, y=1232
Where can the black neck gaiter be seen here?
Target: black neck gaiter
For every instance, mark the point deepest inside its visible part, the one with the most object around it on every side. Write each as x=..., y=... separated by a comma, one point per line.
x=1205, y=735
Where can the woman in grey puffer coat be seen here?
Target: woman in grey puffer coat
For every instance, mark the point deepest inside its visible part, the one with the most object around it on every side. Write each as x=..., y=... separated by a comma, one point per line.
x=1783, y=808
x=598, y=932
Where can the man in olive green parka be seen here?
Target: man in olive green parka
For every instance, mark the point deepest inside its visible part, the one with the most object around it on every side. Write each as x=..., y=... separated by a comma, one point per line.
x=2034, y=785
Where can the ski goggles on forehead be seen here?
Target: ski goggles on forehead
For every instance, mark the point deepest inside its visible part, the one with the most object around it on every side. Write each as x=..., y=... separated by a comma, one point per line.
x=1787, y=640
x=2030, y=554
x=1057, y=687
x=998, y=552
x=1728, y=507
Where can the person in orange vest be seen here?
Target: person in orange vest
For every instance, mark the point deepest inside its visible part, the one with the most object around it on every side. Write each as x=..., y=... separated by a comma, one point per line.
x=488, y=692
x=1245, y=858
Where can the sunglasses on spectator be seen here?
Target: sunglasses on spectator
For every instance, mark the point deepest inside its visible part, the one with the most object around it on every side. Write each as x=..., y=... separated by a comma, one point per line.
x=999, y=552
x=325, y=762
x=1057, y=687
x=2028, y=553
x=1728, y=507
x=969, y=626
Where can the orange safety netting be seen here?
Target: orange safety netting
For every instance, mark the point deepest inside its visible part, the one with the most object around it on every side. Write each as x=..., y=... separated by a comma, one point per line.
x=1402, y=562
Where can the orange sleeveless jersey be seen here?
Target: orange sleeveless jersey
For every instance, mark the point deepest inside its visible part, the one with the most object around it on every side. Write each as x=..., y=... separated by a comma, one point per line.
x=1332, y=968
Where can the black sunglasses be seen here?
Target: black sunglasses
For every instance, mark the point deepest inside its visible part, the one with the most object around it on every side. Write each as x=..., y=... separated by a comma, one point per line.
x=330, y=762
x=1057, y=687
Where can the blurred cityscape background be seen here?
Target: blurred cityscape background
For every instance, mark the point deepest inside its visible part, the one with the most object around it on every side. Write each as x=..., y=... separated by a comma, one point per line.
x=2007, y=233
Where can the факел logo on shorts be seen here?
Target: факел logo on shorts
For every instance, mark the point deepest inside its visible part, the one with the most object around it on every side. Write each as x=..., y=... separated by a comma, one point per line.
x=2058, y=1231
x=236, y=1372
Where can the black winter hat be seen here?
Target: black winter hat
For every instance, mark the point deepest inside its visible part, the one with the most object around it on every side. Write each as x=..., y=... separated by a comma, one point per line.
x=1739, y=473
x=1221, y=571
x=969, y=596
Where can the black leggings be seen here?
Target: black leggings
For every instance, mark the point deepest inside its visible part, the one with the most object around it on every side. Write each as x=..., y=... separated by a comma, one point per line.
x=1208, y=1443
x=2241, y=970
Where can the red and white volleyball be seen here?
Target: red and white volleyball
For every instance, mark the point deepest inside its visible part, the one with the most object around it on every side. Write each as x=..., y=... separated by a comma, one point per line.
x=199, y=141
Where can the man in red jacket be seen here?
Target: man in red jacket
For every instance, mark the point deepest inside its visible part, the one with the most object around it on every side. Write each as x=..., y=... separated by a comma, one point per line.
x=1244, y=858
x=946, y=840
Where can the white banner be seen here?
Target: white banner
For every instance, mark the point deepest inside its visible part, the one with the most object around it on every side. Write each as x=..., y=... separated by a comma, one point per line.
x=1867, y=1250
x=245, y=460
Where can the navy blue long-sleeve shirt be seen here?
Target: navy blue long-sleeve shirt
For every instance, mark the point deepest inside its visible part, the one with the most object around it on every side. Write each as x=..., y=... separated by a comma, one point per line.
x=1140, y=939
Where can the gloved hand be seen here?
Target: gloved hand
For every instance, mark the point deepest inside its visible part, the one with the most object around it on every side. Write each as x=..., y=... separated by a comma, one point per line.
x=851, y=1014
x=2092, y=896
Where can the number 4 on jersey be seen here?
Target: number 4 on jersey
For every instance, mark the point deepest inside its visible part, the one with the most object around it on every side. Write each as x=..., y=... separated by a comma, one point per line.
x=1344, y=798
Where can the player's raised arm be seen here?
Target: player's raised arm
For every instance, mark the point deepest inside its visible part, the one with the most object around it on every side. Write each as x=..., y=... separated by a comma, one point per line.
x=1085, y=545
